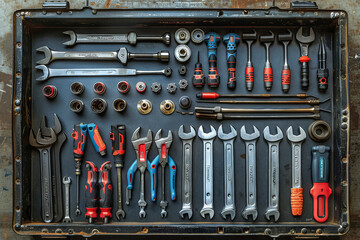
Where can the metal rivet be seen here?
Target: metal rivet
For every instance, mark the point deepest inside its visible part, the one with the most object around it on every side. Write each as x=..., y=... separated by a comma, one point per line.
x=344, y=224
x=319, y=231
x=58, y=12
x=17, y=110
x=304, y=231
x=44, y=12
x=268, y=231
x=58, y=230
x=18, y=74
x=344, y=119
x=94, y=12
x=341, y=229
x=266, y=12
x=344, y=125
x=344, y=112
x=17, y=158
x=290, y=12
x=292, y=231
x=17, y=102
x=18, y=181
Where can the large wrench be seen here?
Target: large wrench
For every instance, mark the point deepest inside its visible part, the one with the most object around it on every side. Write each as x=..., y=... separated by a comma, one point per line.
x=122, y=55
x=296, y=199
x=229, y=184
x=208, y=181
x=66, y=182
x=274, y=169
x=130, y=38
x=250, y=151
x=187, y=140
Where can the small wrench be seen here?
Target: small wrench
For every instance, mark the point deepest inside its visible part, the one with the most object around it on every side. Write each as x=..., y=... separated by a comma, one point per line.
x=250, y=151
x=187, y=141
x=122, y=55
x=274, y=169
x=229, y=184
x=81, y=72
x=130, y=38
x=208, y=181
x=66, y=182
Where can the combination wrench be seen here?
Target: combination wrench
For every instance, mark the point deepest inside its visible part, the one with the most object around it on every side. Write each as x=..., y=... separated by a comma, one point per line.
x=208, y=181
x=274, y=169
x=187, y=141
x=250, y=151
x=229, y=184
x=66, y=182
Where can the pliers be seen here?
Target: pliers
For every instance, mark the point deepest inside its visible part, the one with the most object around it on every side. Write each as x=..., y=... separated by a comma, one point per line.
x=163, y=145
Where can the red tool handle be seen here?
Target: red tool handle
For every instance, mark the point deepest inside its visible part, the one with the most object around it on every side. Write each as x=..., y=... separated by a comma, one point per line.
x=268, y=78
x=249, y=78
x=285, y=80
x=296, y=201
x=79, y=136
x=91, y=191
x=106, y=190
x=96, y=139
x=117, y=137
x=207, y=95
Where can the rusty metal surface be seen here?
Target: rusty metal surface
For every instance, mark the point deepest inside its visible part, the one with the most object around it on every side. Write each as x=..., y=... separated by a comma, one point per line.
x=6, y=10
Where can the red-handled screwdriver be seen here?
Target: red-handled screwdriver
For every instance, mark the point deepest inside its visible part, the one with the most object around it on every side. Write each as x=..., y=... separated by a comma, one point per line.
x=322, y=72
x=285, y=38
x=212, y=40
x=249, y=70
x=320, y=176
x=198, y=79
x=267, y=40
x=105, y=188
x=91, y=191
x=231, y=41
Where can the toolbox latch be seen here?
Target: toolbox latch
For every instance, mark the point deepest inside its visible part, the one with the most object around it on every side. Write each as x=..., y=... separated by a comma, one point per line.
x=303, y=5
x=56, y=4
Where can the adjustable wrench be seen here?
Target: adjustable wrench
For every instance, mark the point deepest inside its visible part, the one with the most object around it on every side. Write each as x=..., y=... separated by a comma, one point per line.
x=208, y=181
x=250, y=151
x=66, y=182
x=130, y=38
x=187, y=140
x=296, y=189
x=229, y=185
x=89, y=72
x=274, y=151
x=122, y=55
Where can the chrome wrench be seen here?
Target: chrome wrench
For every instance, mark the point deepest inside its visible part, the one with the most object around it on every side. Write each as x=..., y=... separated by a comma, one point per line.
x=187, y=140
x=229, y=184
x=250, y=151
x=274, y=169
x=81, y=72
x=208, y=181
x=66, y=182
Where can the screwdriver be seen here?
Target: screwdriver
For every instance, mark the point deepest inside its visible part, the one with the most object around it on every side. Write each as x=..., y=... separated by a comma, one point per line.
x=91, y=192
x=198, y=79
x=322, y=72
x=249, y=70
x=212, y=39
x=79, y=136
x=267, y=40
x=320, y=191
x=231, y=40
x=105, y=187
x=214, y=95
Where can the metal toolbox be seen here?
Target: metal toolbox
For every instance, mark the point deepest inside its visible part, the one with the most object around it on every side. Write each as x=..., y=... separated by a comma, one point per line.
x=34, y=28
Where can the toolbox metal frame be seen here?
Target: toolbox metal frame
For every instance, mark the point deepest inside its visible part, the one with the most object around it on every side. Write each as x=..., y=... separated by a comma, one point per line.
x=25, y=20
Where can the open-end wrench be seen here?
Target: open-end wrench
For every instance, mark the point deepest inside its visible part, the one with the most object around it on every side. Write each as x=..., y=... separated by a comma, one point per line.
x=187, y=140
x=208, y=180
x=122, y=55
x=66, y=182
x=296, y=199
x=229, y=184
x=44, y=148
x=130, y=38
x=274, y=169
x=82, y=72
x=250, y=151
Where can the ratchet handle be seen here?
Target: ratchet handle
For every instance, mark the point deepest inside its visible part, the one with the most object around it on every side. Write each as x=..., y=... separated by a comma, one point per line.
x=117, y=137
x=106, y=190
x=296, y=201
x=304, y=72
x=172, y=168
x=285, y=79
x=96, y=139
x=79, y=136
x=152, y=168
x=249, y=78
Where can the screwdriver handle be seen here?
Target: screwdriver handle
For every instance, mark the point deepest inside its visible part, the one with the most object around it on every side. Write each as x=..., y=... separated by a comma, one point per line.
x=130, y=175
x=91, y=191
x=152, y=168
x=172, y=169
x=96, y=139
x=117, y=136
x=249, y=77
x=285, y=79
x=296, y=201
x=322, y=75
x=304, y=72
x=268, y=77
x=212, y=39
x=79, y=136
x=105, y=187
x=320, y=177
x=231, y=40
x=198, y=79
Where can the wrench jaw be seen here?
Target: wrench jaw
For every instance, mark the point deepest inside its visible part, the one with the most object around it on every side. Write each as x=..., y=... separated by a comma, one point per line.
x=250, y=211
x=227, y=136
x=186, y=209
x=45, y=73
x=272, y=212
x=186, y=136
x=72, y=36
x=249, y=137
x=225, y=212
x=159, y=141
x=136, y=140
x=206, y=136
x=305, y=39
x=207, y=210
x=273, y=138
x=47, y=52
x=120, y=213
x=163, y=205
x=295, y=138
x=142, y=204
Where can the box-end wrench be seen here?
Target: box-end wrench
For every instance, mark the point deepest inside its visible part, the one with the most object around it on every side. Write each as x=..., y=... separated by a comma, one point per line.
x=208, y=181
x=66, y=182
x=122, y=55
x=229, y=184
x=89, y=72
x=130, y=38
x=250, y=151
x=187, y=141
x=296, y=199
x=274, y=169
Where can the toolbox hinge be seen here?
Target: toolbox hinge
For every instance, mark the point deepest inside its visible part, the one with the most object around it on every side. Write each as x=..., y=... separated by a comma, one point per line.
x=303, y=5
x=56, y=4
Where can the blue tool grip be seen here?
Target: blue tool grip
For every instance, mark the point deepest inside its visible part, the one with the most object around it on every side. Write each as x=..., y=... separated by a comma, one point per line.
x=172, y=168
x=96, y=139
x=130, y=175
x=152, y=168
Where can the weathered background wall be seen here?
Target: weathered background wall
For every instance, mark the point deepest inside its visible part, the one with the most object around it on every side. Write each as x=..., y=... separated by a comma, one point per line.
x=7, y=7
